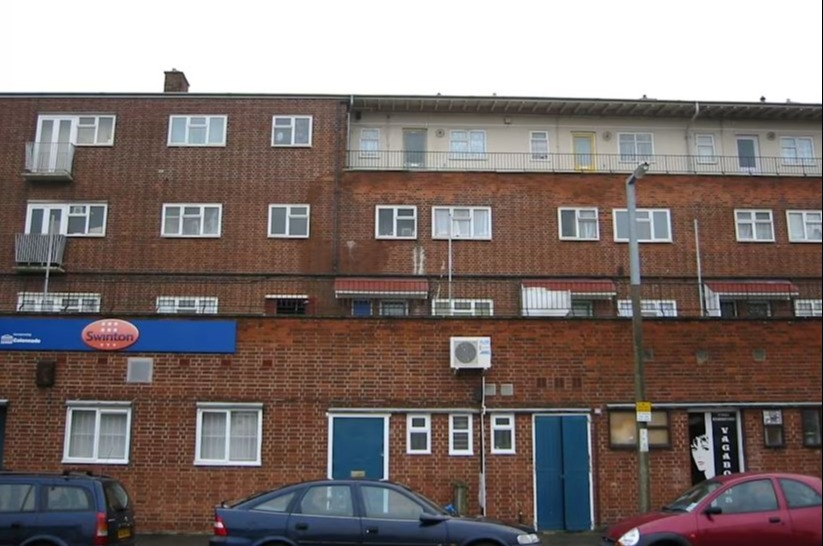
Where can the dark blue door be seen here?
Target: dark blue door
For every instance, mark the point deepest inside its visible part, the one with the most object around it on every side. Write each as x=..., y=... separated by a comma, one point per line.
x=2, y=432
x=358, y=446
x=562, y=468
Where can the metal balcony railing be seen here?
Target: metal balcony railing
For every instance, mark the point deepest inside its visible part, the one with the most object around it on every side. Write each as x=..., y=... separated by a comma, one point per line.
x=389, y=160
x=32, y=251
x=49, y=160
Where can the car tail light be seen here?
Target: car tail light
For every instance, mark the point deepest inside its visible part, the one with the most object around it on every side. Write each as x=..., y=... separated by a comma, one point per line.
x=220, y=527
x=101, y=533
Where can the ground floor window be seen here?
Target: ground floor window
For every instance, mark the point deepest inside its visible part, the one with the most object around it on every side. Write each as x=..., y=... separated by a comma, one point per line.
x=97, y=432
x=811, y=427
x=229, y=434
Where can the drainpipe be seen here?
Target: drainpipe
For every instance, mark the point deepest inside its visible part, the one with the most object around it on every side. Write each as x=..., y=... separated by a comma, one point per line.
x=699, y=269
x=482, y=485
x=335, y=248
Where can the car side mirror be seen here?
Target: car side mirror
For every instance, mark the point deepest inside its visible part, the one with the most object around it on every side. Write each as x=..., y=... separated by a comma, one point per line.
x=713, y=510
x=432, y=519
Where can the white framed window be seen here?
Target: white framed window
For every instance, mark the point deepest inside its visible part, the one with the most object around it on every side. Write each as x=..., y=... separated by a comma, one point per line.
x=97, y=432
x=460, y=434
x=291, y=131
x=191, y=219
x=395, y=222
x=648, y=308
x=653, y=225
x=91, y=130
x=95, y=130
x=578, y=224
x=188, y=305
x=808, y=308
x=70, y=219
x=462, y=308
x=704, y=145
x=797, y=150
x=539, y=145
x=289, y=221
x=369, y=142
x=229, y=434
x=418, y=434
x=754, y=225
x=804, y=226
x=636, y=147
x=465, y=144
x=197, y=130
x=394, y=308
x=58, y=302
x=503, y=434
x=462, y=223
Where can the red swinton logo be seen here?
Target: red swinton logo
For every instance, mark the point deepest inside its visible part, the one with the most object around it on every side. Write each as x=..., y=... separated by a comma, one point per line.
x=110, y=334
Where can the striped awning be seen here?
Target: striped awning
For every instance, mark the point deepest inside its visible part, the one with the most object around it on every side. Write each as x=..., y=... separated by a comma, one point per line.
x=349, y=287
x=745, y=289
x=583, y=287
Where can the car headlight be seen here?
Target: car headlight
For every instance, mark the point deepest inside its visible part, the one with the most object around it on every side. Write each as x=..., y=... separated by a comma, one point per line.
x=531, y=538
x=630, y=539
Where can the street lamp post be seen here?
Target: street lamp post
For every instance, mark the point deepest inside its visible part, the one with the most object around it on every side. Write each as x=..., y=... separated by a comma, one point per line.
x=637, y=336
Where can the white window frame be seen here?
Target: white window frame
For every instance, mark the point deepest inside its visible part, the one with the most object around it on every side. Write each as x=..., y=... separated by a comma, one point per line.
x=649, y=308
x=369, y=142
x=705, y=159
x=463, y=307
x=227, y=408
x=396, y=218
x=383, y=304
x=76, y=125
x=208, y=124
x=634, y=155
x=539, y=155
x=35, y=302
x=498, y=427
x=201, y=215
x=100, y=408
x=425, y=429
x=65, y=213
x=792, y=143
x=293, y=126
x=469, y=154
x=577, y=223
x=808, y=308
x=749, y=217
x=290, y=215
x=643, y=216
x=461, y=214
x=202, y=305
x=806, y=222
x=453, y=432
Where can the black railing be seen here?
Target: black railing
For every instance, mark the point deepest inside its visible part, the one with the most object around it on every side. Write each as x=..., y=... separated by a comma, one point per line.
x=39, y=251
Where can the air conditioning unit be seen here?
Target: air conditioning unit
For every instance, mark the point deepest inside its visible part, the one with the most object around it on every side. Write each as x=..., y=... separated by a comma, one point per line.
x=471, y=353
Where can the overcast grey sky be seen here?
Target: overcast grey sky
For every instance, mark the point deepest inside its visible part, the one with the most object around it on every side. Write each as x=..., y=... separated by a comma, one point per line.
x=732, y=50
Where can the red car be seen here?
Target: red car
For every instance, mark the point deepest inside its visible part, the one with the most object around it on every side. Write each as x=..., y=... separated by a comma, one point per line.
x=748, y=509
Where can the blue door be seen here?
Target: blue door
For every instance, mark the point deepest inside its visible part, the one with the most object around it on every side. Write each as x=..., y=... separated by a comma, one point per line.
x=358, y=446
x=2, y=431
x=562, y=473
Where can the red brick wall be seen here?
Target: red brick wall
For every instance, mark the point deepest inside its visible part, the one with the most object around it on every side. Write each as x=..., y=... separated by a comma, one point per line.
x=300, y=369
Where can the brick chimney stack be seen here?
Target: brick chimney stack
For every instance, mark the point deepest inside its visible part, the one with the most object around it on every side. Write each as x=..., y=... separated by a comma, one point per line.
x=176, y=82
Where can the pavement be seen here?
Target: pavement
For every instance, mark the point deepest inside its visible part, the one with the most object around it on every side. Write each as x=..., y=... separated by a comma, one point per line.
x=549, y=539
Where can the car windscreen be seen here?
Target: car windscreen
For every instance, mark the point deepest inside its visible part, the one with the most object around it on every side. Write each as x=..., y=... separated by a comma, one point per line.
x=692, y=497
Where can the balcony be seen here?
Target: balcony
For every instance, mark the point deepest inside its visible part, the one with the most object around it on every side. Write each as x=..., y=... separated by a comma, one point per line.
x=35, y=253
x=399, y=160
x=49, y=161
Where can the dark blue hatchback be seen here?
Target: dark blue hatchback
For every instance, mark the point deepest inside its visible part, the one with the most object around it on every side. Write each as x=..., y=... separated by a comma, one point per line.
x=352, y=512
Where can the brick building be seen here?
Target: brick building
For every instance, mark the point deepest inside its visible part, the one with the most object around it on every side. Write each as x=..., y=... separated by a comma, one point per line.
x=432, y=290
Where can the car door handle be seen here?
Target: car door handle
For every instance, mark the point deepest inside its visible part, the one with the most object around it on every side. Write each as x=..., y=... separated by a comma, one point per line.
x=774, y=519
x=302, y=526
x=372, y=530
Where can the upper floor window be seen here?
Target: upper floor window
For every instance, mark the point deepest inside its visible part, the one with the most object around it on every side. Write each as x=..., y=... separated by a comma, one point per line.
x=804, y=226
x=539, y=145
x=72, y=219
x=418, y=434
x=754, y=225
x=462, y=223
x=287, y=304
x=467, y=144
x=58, y=302
x=797, y=150
x=462, y=308
x=705, y=148
x=503, y=434
x=229, y=434
x=89, y=130
x=653, y=225
x=395, y=222
x=808, y=308
x=460, y=434
x=191, y=220
x=636, y=147
x=197, y=131
x=648, y=308
x=369, y=142
x=97, y=432
x=291, y=131
x=194, y=305
x=290, y=221
x=578, y=224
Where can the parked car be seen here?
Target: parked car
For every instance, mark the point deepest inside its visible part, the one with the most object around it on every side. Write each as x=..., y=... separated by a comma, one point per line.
x=69, y=509
x=747, y=509
x=365, y=512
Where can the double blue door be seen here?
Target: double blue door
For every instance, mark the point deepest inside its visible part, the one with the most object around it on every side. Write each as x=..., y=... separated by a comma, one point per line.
x=563, y=473
x=358, y=447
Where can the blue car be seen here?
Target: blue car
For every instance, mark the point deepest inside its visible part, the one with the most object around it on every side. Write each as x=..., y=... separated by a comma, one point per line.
x=353, y=512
